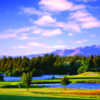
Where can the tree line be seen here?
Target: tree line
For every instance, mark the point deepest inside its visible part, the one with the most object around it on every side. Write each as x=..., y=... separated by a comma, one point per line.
x=49, y=64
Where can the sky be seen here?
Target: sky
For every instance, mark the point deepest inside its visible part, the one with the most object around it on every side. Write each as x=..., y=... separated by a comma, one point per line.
x=42, y=26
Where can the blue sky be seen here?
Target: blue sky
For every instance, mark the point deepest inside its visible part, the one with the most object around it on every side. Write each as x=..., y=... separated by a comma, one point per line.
x=41, y=26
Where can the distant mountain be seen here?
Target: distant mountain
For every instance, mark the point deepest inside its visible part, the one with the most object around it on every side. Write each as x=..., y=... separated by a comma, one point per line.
x=81, y=51
x=34, y=55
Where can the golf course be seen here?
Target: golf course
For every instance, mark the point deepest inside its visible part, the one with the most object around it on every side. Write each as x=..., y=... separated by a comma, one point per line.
x=11, y=90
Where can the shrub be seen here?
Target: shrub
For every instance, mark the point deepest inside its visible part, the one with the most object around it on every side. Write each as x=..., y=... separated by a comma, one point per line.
x=65, y=81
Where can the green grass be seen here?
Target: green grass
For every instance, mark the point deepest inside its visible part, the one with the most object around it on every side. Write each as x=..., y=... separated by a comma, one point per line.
x=87, y=75
x=2, y=84
x=73, y=80
x=47, y=81
x=10, y=97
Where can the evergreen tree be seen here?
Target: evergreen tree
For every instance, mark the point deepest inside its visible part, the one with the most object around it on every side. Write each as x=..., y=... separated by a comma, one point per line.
x=26, y=79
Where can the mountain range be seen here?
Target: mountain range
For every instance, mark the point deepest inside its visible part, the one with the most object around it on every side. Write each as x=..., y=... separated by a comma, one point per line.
x=81, y=51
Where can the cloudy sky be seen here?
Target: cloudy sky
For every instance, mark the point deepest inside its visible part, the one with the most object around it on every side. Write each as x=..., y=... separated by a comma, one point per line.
x=40, y=26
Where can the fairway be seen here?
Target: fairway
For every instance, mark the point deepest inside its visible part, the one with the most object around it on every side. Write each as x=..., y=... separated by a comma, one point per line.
x=9, y=97
x=49, y=94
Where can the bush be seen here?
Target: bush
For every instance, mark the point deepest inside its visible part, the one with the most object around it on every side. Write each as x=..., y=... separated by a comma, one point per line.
x=65, y=81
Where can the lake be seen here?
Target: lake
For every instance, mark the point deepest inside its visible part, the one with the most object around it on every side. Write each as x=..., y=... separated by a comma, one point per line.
x=11, y=78
x=76, y=85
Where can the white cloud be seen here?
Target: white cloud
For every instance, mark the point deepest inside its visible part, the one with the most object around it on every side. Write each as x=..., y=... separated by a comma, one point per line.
x=47, y=33
x=30, y=11
x=6, y=36
x=38, y=46
x=23, y=33
x=85, y=19
x=78, y=7
x=69, y=26
x=48, y=20
x=29, y=45
x=92, y=35
x=59, y=5
x=13, y=33
x=56, y=5
x=52, y=32
x=35, y=44
x=45, y=20
x=19, y=30
x=59, y=47
x=19, y=47
x=81, y=41
x=25, y=36
x=70, y=34
x=91, y=24
x=87, y=0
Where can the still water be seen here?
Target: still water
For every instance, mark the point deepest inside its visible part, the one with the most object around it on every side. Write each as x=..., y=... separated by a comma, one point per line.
x=11, y=78
x=76, y=85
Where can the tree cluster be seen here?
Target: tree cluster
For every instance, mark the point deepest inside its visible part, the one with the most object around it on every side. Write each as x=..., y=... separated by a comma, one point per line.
x=49, y=64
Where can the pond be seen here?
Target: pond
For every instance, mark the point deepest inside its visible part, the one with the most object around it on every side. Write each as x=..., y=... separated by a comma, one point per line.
x=13, y=78
x=76, y=85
